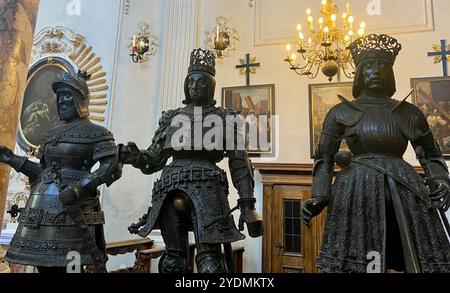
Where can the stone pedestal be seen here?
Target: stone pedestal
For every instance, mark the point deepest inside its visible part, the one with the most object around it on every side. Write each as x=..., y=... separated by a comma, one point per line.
x=17, y=23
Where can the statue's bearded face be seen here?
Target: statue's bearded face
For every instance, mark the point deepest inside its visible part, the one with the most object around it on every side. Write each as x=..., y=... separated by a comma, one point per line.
x=376, y=75
x=198, y=88
x=67, y=110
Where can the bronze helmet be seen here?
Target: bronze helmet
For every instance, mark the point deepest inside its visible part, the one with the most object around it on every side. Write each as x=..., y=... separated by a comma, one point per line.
x=78, y=83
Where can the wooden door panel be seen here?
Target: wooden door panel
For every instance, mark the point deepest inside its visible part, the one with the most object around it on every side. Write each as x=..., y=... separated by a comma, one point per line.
x=292, y=243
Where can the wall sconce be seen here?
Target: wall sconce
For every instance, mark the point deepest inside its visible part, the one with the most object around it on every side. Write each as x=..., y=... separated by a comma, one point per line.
x=223, y=39
x=143, y=44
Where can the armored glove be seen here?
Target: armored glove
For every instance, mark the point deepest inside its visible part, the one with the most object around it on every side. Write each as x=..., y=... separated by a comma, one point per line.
x=312, y=208
x=441, y=196
x=70, y=194
x=6, y=155
x=249, y=216
x=129, y=154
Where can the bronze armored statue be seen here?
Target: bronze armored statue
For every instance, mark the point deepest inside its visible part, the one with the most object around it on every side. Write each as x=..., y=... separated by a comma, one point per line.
x=378, y=204
x=63, y=213
x=191, y=194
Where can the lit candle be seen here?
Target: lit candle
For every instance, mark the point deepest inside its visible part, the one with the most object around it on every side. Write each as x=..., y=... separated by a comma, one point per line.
x=301, y=37
x=351, y=20
x=350, y=35
x=308, y=11
x=299, y=27
x=363, y=25
x=293, y=57
x=310, y=22
x=344, y=16
x=333, y=19
x=321, y=23
x=326, y=30
x=134, y=40
x=218, y=33
x=361, y=32
x=309, y=41
x=288, y=49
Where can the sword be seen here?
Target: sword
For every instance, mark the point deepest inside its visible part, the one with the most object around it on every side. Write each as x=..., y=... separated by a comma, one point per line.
x=424, y=162
x=77, y=216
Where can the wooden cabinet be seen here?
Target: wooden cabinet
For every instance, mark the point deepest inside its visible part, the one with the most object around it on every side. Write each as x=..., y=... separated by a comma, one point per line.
x=288, y=245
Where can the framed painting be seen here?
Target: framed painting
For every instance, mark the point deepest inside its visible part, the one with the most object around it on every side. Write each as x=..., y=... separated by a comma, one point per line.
x=432, y=96
x=322, y=97
x=39, y=113
x=257, y=105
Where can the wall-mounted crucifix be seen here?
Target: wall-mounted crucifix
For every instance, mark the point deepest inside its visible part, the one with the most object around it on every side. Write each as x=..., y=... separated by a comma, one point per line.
x=441, y=53
x=248, y=66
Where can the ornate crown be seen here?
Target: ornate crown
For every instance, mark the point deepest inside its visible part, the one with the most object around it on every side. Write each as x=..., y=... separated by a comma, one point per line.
x=202, y=60
x=375, y=47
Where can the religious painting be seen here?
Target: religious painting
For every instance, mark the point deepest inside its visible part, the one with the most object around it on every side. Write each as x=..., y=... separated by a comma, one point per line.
x=432, y=96
x=322, y=97
x=39, y=113
x=257, y=105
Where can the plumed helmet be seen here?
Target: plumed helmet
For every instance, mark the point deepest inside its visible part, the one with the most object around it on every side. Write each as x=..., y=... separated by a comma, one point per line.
x=78, y=83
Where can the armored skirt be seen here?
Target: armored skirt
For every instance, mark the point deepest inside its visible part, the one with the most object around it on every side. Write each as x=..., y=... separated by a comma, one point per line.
x=360, y=195
x=206, y=185
x=47, y=234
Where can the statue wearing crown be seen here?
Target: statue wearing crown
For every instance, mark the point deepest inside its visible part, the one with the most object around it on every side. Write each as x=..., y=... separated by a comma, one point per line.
x=192, y=192
x=381, y=215
x=63, y=220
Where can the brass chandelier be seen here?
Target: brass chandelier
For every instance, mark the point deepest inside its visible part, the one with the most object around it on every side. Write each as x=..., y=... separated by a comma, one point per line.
x=325, y=46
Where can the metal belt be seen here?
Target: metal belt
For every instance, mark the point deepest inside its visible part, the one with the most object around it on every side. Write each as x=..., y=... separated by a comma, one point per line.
x=192, y=175
x=37, y=217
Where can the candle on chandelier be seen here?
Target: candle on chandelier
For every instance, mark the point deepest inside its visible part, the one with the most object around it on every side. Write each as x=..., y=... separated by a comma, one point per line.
x=301, y=38
x=347, y=40
x=333, y=19
x=218, y=33
x=310, y=22
x=350, y=35
x=351, y=20
x=361, y=32
x=288, y=49
x=321, y=23
x=326, y=30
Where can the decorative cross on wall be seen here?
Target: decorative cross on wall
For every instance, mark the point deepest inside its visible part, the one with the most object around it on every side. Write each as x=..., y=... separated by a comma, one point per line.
x=441, y=54
x=247, y=67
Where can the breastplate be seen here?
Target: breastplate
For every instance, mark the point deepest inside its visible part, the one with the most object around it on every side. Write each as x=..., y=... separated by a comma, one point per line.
x=69, y=156
x=376, y=133
x=192, y=134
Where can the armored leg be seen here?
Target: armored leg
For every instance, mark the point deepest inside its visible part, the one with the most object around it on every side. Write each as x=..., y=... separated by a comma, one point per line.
x=209, y=259
x=174, y=229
